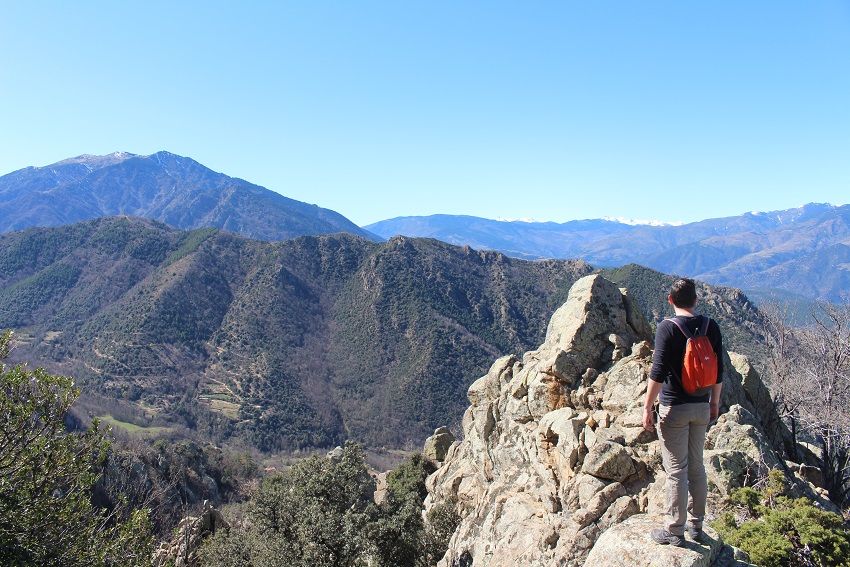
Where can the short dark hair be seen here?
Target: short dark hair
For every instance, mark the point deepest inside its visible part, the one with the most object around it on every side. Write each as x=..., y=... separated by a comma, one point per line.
x=683, y=292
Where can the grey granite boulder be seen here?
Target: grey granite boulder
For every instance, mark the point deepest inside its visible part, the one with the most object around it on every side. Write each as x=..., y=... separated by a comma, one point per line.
x=628, y=544
x=609, y=461
x=437, y=446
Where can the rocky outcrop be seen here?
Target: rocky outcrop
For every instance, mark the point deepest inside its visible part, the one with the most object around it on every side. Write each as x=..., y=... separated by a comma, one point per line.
x=437, y=446
x=737, y=452
x=554, y=453
x=759, y=396
x=626, y=545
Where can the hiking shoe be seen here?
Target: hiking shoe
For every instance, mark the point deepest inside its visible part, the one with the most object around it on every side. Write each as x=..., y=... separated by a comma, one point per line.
x=696, y=534
x=666, y=538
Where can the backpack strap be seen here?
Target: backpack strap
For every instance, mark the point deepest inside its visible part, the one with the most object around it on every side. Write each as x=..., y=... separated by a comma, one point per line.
x=682, y=327
x=704, y=327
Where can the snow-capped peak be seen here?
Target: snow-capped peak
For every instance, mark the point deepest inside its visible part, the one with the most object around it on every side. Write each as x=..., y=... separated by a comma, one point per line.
x=637, y=222
x=503, y=219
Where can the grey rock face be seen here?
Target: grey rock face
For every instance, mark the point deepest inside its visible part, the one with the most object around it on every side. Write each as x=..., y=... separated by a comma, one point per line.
x=554, y=454
x=762, y=401
x=635, y=317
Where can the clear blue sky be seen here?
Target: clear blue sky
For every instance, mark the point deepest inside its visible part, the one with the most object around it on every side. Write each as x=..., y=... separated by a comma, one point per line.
x=550, y=110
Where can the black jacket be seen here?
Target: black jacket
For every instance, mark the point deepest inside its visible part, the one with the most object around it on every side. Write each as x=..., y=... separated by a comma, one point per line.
x=670, y=355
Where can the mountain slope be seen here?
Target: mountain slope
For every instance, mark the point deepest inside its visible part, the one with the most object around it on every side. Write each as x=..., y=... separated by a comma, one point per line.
x=297, y=343
x=801, y=251
x=806, y=257
x=288, y=344
x=172, y=189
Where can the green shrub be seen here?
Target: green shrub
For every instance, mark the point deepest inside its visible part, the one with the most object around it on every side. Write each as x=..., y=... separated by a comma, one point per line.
x=409, y=478
x=778, y=531
x=397, y=531
x=320, y=512
x=313, y=514
x=443, y=520
x=46, y=477
x=747, y=497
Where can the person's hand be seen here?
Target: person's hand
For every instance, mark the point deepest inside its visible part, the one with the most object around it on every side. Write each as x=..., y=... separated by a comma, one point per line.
x=648, y=419
x=714, y=412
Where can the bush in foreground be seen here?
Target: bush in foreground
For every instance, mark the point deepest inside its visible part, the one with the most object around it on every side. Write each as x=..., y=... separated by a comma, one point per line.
x=778, y=531
x=46, y=478
x=321, y=512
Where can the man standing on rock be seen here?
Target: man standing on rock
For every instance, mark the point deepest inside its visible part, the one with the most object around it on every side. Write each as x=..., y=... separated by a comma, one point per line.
x=682, y=418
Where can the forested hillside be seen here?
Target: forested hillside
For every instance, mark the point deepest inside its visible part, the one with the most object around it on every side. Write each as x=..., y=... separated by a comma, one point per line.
x=299, y=343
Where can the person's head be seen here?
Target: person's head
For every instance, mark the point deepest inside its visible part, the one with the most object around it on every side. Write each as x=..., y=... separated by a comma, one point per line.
x=683, y=293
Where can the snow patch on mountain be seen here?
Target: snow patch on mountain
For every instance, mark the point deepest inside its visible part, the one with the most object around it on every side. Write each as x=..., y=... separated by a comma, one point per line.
x=503, y=219
x=620, y=220
x=638, y=222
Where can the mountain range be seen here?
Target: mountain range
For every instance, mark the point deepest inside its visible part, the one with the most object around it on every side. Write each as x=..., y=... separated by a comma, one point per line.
x=284, y=325
x=165, y=187
x=299, y=343
x=797, y=254
x=803, y=252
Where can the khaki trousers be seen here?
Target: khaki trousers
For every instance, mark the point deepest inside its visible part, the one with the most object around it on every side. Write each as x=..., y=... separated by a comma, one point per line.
x=681, y=429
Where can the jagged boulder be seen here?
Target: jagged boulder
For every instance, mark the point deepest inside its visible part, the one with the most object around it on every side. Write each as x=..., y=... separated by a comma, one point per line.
x=736, y=451
x=437, y=446
x=609, y=461
x=759, y=396
x=554, y=452
x=382, y=488
x=592, y=327
x=628, y=545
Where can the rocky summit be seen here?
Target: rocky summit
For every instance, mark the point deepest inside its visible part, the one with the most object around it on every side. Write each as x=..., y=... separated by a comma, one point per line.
x=554, y=466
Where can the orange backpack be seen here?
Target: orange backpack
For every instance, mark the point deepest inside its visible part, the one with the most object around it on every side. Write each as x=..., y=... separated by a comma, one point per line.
x=699, y=371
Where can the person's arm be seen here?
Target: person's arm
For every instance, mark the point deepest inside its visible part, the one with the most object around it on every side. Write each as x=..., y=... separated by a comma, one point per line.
x=652, y=390
x=714, y=404
x=656, y=374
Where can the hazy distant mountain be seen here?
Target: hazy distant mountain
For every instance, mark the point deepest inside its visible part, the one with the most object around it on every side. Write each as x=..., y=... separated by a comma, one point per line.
x=804, y=251
x=520, y=239
x=297, y=343
x=808, y=256
x=165, y=187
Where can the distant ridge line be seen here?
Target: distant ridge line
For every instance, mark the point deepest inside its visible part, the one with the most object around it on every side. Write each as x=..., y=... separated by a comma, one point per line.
x=802, y=251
